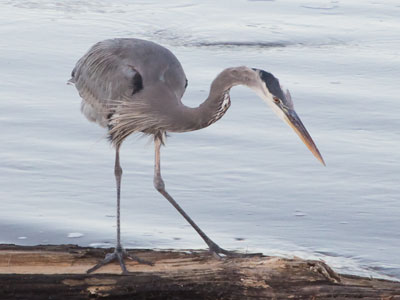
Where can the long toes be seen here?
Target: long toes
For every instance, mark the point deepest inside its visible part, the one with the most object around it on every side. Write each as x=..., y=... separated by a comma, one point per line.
x=228, y=253
x=109, y=257
x=216, y=251
x=139, y=260
x=122, y=263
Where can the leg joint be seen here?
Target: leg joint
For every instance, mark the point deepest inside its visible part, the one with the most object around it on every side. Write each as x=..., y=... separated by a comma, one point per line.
x=159, y=183
x=118, y=171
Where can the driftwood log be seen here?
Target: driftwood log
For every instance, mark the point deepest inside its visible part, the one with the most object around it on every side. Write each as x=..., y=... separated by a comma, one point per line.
x=58, y=272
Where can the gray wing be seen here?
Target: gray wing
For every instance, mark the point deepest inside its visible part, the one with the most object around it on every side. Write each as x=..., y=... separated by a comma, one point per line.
x=119, y=70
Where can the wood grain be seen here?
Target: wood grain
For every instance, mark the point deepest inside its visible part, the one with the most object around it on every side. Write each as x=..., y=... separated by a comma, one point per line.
x=59, y=272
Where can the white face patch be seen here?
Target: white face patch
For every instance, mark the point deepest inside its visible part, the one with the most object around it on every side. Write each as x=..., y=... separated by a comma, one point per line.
x=262, y=91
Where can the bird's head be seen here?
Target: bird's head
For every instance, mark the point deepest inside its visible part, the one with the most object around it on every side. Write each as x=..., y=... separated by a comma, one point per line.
x=268, y=88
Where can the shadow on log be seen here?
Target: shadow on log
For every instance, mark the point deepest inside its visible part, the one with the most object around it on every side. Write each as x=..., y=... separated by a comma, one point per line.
x=58, y=272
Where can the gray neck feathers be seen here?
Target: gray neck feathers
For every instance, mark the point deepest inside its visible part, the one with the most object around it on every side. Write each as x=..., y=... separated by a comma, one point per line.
x=217, y=102
x=140, y=116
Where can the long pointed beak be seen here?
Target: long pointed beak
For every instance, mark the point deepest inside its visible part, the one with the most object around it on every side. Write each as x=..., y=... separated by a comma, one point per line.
x=291, y=117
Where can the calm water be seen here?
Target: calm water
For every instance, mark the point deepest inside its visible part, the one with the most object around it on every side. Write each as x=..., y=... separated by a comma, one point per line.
x=247, y=180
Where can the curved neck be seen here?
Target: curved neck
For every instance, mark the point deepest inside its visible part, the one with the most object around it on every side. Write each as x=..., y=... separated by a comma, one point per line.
x=217, y=102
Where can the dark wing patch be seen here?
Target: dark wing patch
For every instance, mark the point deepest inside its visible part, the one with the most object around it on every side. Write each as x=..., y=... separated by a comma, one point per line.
x=272, y=84
x=137, y=83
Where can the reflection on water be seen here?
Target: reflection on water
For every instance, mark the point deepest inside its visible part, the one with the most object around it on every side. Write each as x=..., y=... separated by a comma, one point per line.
x=247, y=180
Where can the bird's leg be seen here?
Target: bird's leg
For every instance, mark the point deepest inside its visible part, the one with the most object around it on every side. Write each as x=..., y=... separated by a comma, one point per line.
x=119, y=252
x=118, y=175
x=160, y=186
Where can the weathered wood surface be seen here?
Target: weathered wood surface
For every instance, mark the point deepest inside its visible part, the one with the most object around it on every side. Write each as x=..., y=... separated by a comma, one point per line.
x=58, y=272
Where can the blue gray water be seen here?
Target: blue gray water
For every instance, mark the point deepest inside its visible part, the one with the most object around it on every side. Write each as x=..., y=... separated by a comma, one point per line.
x=247, y=180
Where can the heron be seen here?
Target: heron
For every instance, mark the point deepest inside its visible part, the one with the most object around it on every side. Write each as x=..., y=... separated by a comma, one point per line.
x=130, y=85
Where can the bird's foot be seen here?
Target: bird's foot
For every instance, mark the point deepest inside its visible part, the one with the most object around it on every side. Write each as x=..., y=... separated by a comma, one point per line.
x=217, y=251
x=119, y=254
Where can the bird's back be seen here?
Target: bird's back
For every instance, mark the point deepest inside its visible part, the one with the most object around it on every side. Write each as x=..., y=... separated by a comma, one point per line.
x=120, y=70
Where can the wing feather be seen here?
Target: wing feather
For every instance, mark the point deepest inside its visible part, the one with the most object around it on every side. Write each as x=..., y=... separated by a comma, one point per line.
x=140, y=73
x=101, y=76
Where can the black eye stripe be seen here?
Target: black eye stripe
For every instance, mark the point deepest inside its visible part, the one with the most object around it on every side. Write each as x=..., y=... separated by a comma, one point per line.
x=272, y=84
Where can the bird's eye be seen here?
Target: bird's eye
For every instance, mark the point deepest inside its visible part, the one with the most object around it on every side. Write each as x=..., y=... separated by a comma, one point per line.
x=276, y=100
